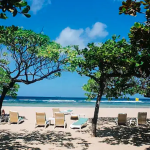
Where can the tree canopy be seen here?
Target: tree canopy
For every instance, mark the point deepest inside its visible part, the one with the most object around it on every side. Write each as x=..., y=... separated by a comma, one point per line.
x=33, y=56
x=114, y=69
x=139, y=32
x=14, y=7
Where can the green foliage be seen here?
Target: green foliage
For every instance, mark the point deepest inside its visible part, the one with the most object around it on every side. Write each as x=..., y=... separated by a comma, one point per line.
x=139, y=34
x=4, y=81
x=13, y=6
x=130, y=7
x=114, y=87
x=19, y=37
x=34, y=55
x=117, y=64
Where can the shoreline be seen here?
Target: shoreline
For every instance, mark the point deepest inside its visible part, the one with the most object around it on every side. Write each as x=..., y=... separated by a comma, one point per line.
x=79, y=106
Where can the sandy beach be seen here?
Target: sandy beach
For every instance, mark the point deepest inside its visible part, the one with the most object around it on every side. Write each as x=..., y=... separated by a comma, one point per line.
x=110, y=136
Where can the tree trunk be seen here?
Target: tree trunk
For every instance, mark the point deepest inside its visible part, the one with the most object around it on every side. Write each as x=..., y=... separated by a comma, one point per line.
x=94, y=120
x=5, y=90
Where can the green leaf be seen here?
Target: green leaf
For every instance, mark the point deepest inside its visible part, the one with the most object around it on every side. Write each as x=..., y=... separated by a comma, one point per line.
x=5, y=54
x=123, y=9
x=22, y=3
x=14, y=12
x=3, y=16
x=25, y=10
x=27, y=15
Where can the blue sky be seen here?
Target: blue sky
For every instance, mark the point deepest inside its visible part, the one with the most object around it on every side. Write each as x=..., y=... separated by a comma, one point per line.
x=71, y=22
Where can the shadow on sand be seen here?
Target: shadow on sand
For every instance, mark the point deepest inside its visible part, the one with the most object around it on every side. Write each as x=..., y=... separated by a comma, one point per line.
x=110, y=133
x=136, y=136
x=26, y=140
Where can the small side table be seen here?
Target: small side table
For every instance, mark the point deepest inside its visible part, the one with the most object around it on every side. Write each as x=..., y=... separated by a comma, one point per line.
x=74, y=117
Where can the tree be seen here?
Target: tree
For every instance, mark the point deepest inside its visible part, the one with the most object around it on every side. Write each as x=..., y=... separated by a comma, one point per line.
x=113, y=69
x=116, y=87
x=4, y=81
x=13, y=6
x=34, y=56
x=140, y=32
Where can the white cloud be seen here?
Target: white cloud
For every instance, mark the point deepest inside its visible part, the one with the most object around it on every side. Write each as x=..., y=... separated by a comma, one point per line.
x=98, y=30
x=81, y=37
x=38, y=5
x=70, y=36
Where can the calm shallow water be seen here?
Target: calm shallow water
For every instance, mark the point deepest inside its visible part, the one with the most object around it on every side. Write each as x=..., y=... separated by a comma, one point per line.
x=74, y=102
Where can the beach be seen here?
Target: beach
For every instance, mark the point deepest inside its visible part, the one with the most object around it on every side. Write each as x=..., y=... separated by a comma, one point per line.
x=25, y=135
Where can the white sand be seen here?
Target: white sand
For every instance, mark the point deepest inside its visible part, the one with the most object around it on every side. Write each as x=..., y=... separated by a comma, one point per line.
x=25, y=135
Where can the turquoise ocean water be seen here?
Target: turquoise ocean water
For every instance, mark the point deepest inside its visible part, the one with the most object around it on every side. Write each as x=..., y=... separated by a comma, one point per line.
x=27, y=101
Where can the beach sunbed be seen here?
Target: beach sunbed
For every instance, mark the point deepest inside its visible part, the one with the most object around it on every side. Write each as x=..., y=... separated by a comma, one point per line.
x=67, y=112
x=41, y=120
x=55, y=110
x=14, y=117
x=60, y=120
x=122, y=119
x=141, y=119
x=80, y=123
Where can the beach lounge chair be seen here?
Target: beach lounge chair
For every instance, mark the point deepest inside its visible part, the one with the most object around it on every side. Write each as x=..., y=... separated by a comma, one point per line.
x=14, y=117
x=55, y=110
x=80, y=123
x=141, y=119
x=67, y=112
x=41, y=120
x=59, y=120
x=122, y=119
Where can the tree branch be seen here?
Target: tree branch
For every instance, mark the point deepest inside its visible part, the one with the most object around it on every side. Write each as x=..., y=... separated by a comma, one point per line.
x=35, y=80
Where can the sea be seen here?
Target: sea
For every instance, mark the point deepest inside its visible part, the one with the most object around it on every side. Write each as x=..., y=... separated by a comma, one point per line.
x=27, y=101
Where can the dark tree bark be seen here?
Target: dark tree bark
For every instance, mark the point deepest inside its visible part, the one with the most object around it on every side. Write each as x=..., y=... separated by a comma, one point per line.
x=5, y=90
x=94, y=120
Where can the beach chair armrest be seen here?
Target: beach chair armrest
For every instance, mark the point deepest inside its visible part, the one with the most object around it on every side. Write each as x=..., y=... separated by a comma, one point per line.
x=20, y=119
x=47, y=122
x=65, y=124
